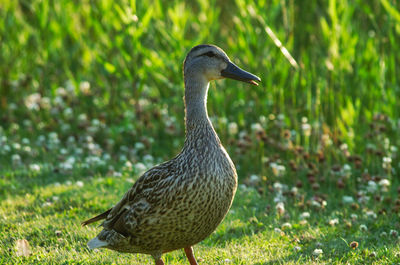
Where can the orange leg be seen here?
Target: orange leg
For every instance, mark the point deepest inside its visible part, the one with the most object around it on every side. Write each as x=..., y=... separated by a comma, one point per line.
x=190, y=255
x=159, y=262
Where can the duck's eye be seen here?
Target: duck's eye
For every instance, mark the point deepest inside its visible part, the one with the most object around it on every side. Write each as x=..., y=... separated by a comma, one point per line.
x=210, y=54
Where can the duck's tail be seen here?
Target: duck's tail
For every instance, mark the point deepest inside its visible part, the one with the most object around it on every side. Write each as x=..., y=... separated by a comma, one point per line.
x=97, y=218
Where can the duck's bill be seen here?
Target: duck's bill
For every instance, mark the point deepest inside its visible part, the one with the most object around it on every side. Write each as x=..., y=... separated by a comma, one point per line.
x=234, y=72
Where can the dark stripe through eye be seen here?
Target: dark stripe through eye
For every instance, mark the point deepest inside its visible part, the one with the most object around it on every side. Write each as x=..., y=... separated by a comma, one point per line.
x=209, y=54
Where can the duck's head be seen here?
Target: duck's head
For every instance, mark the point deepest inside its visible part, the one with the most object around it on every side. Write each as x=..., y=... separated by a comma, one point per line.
x=212, y=63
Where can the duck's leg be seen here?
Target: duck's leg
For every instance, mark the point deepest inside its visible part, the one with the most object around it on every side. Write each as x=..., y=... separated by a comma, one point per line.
x=190, y=256
x=159, y=262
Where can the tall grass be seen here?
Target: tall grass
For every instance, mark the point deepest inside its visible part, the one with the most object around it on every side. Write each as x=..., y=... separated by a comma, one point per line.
x=347, y=52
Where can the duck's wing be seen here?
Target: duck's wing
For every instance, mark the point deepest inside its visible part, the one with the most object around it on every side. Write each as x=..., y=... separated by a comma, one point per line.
x=144, y=195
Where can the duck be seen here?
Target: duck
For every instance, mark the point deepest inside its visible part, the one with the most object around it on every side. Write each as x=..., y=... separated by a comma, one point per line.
x=179, y=203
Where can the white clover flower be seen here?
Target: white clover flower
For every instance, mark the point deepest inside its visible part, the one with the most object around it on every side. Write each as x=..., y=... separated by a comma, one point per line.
x=363, y=228
x=60, y=91
x=326, y=140
x=143, y=102
x=79, y=184
x=233, y=128
x=128, y=165
x=46, y=204
x=316, y=204
x=384, y=182
x=306, y=128
x=386, y=162
x=223, y=120
x=45, y=103
x=353, y=216
x=139, y=146
x=254, y=180
x=279, y=197
x=278, y=230
x=347, y=199
x=148, y=159
x=82, y=117
x=27, y=149
x=393, y=233
x=334, y=222
x=16, y=146
x=344, y=147
x=15, y=160
x=386, y=143
x=34, y=167
x=84, y=87
x=371, y=214
x=96, y=123
x=91, y=146
x=280, y=207
x=32, y=101
x=122, y=158
x=117, y=174
x=58, y=101
x=243, y=187
x=78, y=151
x=70, y=140
x=277, y=170
x=317, y=252
x=25, y=141
x=372, y=187
x=364, y=199
x=6, y=148
x=263, y=120
x=68, y=113
x=94, y=160
x=278, y=186
x=53, y=136
x=296, y=248
x=41, y=139
x=286, y=226
x=346, y=168
x=305, y=215
x=141, y=168
x=69, y=86
x=256, y=127
x=106, y=156
x=63, y=151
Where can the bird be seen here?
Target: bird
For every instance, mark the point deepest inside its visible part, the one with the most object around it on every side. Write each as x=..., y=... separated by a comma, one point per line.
x=179, y=203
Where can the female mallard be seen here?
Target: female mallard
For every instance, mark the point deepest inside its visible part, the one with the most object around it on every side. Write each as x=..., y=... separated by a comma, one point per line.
x=180, y=202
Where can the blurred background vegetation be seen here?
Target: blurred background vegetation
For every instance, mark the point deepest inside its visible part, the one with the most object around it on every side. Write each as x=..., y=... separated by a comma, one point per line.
x=91, y=96
x=110, y=55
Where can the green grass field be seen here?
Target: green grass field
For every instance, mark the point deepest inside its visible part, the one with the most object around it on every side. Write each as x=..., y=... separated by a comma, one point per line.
x=91, y=96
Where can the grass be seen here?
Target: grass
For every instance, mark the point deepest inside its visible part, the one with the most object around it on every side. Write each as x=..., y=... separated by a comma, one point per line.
x=91, y=96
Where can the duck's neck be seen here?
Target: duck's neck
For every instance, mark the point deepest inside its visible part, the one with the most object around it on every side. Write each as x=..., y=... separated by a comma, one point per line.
x=198, y=125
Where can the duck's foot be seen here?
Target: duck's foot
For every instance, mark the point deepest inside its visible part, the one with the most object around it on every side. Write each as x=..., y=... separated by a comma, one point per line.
x=159, y=262
x=190, y=255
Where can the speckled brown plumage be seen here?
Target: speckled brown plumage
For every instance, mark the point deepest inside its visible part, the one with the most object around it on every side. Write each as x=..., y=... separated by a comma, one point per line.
x=180, y=202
